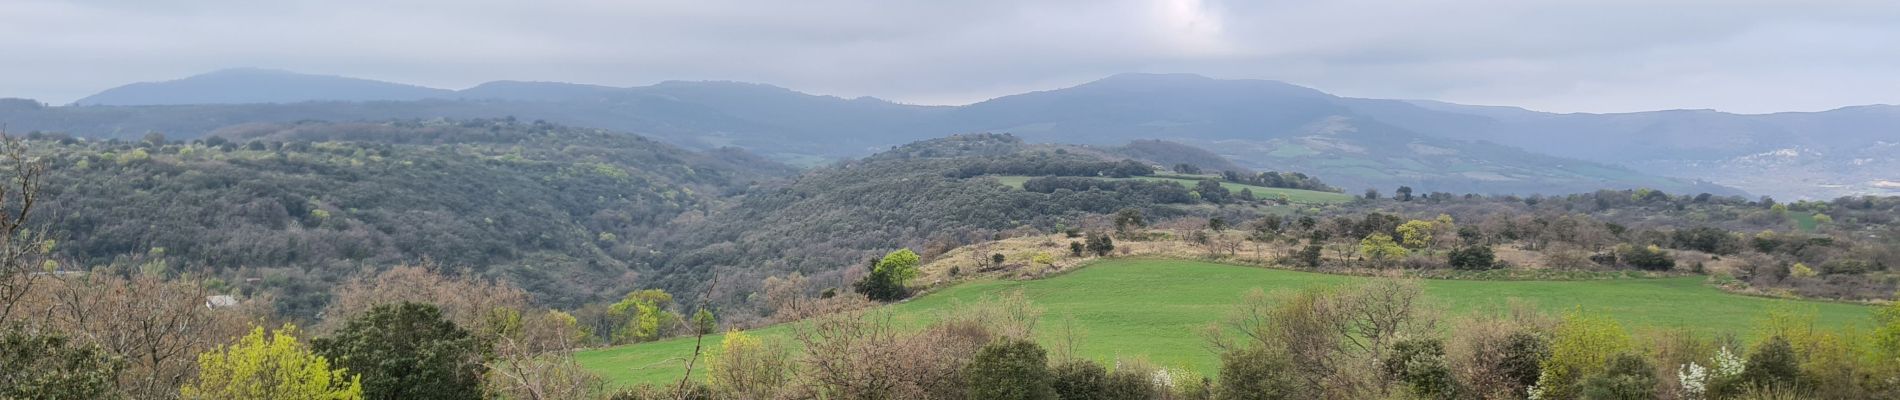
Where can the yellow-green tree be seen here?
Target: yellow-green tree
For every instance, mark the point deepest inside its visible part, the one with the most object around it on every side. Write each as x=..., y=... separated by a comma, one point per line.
x=900, y=264
x=274, y=366
x=646, y=314
x=1887, y=335
x=1415, y=234
x=1581, y=346
x=1379, y=247
x=747, y=368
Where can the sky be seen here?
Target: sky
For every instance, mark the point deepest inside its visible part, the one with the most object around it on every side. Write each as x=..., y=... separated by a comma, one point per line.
x=1566, y=56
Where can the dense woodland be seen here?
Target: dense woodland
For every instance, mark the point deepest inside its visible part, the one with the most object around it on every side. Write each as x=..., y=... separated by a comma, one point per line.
x=535, y=239
x=291, y=209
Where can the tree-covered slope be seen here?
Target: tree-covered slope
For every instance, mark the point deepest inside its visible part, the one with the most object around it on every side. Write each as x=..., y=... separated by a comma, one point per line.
x=567, y=213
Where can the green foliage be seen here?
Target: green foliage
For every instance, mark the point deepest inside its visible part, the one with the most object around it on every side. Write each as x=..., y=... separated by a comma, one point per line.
x=1100, y=244
x=1626, y=376
x=407, y=351
x=1010, y=369
x=1773, y=363
x=421, y=190
x=704, y=322
x=1473, y=258
x=1522, y=361
x=1886, y=334
x=1379, y=247
x=1126, y=383
x=901, y=265
x=644, y=315
x=1415, y=234
x=1079, y=379
x=1648, y=258
x=1127, y=220
x=1581, y=347
x=40, y=365
x=1257, y=373
x=270, y=367
x=1421, y=365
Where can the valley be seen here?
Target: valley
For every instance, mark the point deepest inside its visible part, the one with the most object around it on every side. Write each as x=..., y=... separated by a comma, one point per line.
x=1155, y=309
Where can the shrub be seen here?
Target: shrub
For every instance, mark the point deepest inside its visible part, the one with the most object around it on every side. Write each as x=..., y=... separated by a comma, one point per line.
x=407, y=351
x=1010, y=369
x=1131, y=381
x=745, y=367
x=1079, y=379
x=1473, y=258
x=1581, y=347
x=1420, y=364
x=1772, y=364
x=269, y=367
x=1256, y=374
x=1649, y=258
x=1625, y=377
x=44, y=366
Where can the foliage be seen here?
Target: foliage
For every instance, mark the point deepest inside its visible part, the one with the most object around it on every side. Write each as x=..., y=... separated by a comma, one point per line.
x=1772, y=363
x=1625, y=377
x=1581, y=347
x=270, y=367
x=1415, y=234
x=1473, y=258
x=42, y=365
x=1079, y=379
x=1100, y=244
x=646, y=314
x=901, y=265
x=1379, y=247
x=1010, y=369
x=407, y=351
x=1421, y=364
x=745, y=367
x=507, y=199
x=1646, y=257
x=1257, y=373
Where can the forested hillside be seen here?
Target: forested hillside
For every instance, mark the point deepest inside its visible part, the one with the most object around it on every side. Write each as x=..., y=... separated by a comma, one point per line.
x=569, y=214
x=933, y=195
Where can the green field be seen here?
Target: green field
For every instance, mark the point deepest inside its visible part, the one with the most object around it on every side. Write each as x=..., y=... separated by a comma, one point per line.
x=1156, y=308
x=1293, y=195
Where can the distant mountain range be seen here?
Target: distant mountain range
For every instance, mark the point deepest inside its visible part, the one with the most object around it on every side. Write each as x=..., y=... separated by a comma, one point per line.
x=1351, y=142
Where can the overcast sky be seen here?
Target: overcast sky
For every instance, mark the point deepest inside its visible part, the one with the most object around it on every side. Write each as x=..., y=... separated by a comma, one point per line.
x=1585, y=55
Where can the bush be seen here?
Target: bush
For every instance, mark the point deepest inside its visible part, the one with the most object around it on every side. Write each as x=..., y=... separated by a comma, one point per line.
x=1647, y=258
x=1131, y=382
x=1772, y=364
x=407, y=351
x=1420, y=363
x=270, y=367
x=1626, y=377
x=1474, y=258
x=43, y=366
x=1256, y=374
x=1079, y=379
x=1010, y=369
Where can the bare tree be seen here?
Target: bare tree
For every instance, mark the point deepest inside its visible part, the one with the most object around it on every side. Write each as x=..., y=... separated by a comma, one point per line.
x=24, y=249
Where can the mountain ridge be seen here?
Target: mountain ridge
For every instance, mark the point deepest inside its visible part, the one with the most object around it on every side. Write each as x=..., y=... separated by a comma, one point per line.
x=1262, y=124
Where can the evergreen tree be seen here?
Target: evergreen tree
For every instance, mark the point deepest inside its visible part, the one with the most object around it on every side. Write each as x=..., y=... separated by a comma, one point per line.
x=408, y=351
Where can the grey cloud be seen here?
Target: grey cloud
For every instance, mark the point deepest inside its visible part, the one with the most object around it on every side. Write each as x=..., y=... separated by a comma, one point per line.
x=1746, y=56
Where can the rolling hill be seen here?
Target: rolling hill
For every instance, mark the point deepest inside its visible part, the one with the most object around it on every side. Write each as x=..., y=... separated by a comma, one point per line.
x=1355, y=143
x=1156, y=309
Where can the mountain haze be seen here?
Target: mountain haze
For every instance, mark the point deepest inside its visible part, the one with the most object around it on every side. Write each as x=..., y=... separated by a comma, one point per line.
x=1258, y=124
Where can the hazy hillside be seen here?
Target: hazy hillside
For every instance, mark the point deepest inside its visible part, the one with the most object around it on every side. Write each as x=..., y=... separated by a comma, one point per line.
x=565, y=212
x=252, y=85
x=1267, y=125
